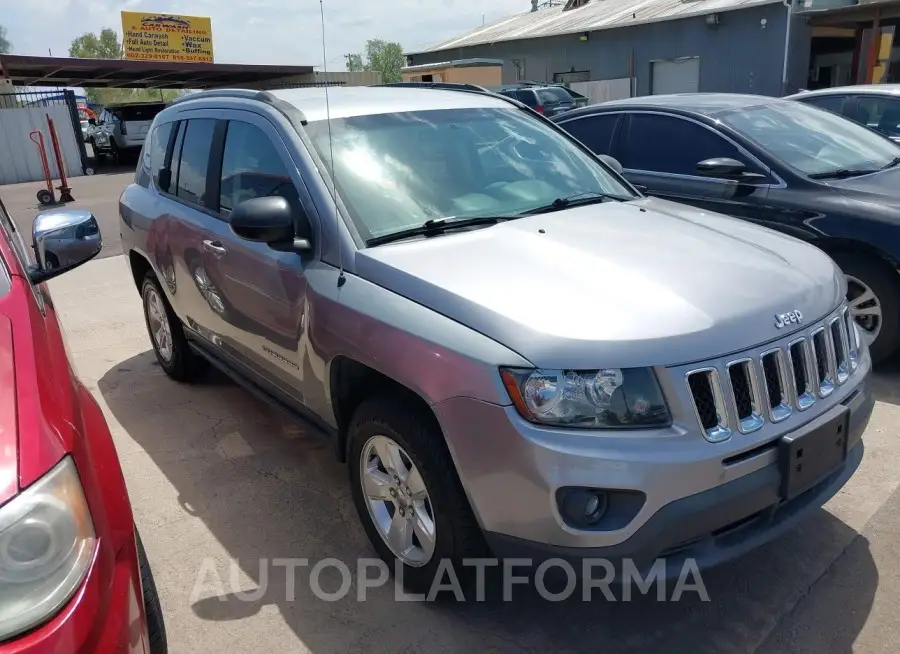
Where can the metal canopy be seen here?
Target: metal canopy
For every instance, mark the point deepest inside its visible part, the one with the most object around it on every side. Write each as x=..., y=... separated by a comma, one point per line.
x=128, y=73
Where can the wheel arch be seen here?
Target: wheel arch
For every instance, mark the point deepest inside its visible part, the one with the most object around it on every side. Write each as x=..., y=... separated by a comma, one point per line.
x=836, y=245
x=351, y=382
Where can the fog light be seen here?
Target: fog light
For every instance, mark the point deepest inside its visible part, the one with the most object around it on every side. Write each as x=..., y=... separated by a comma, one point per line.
x=584, y=507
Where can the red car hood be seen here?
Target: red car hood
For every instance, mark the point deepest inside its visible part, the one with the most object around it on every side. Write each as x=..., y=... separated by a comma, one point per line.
x=9, y=438
x=38, y=407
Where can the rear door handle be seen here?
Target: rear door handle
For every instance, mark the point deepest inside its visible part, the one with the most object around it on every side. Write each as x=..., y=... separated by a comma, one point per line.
x=215, y=248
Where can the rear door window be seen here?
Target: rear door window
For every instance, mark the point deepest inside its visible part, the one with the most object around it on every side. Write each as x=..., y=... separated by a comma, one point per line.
x=193, y=162
x=596, y=132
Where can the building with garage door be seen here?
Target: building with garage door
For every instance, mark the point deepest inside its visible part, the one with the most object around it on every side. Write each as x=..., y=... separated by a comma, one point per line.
x=607, y=49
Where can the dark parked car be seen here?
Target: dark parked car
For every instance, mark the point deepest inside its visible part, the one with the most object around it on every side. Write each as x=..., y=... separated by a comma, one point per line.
x=877, y=106
x=549, y=100
x=785, y=165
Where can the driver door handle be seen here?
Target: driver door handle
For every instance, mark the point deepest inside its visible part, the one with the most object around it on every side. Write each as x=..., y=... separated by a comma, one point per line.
x=215, y=248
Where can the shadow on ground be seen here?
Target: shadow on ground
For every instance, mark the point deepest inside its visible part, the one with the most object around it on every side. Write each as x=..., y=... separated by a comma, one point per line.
x=265, y=488
x=886, y=380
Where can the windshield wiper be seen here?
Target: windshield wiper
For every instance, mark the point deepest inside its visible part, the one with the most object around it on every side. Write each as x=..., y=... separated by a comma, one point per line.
x=577, y=199
x=437, y=226
x=892, y=163
x=843, y=173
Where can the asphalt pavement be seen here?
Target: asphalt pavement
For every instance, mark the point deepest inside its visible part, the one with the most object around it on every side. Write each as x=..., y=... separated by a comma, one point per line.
x=98, y=193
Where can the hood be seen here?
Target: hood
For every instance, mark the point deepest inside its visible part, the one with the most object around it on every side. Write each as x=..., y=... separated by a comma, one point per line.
x=881, y=187
x=36, y=403
x=9, y=439
x=648, y=282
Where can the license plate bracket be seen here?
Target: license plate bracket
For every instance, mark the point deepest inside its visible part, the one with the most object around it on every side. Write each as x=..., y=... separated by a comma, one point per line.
x=808, y=454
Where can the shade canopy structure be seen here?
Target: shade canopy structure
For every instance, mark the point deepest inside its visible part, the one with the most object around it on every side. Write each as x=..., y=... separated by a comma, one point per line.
x=23, y=70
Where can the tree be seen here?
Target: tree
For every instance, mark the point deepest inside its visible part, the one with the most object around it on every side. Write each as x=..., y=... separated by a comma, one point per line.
x=106, y=45
x=355, y=63
x=5, y=45
x=384, y=56
x=91, y=46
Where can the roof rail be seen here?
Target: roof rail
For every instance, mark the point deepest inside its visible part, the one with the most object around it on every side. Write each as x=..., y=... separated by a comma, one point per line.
x=450, y=86
x=248, y=94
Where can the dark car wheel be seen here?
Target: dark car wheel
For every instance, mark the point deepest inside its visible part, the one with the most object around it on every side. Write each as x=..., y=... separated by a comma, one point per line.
x=873, y=294
x=156, y=627
x=407, y=494
x=167, y=334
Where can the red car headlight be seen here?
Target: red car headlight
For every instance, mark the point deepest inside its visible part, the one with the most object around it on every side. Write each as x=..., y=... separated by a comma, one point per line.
x=46, y=544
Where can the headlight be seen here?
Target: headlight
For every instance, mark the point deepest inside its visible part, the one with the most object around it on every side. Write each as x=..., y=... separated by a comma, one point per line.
x=46, y=545
x=612, y=398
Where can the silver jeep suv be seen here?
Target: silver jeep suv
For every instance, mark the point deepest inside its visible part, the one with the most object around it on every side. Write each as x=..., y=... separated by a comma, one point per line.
x=513, y=350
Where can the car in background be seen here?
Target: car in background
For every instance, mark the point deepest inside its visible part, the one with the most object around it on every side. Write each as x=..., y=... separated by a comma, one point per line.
x=877, y=106
x=548, y=99
x=120, y=129
x=780, y=164
x=86, y=130
x=74, y=575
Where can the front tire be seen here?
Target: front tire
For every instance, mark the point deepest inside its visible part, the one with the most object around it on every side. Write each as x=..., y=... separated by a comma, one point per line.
x=873, y=294
x=167, y=334
x=156, y=627
x=407, y=493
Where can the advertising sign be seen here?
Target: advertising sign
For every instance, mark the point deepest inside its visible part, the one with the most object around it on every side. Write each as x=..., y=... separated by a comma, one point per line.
x=167, y=37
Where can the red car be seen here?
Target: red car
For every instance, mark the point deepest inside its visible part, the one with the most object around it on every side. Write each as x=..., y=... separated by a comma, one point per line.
x=73, y=574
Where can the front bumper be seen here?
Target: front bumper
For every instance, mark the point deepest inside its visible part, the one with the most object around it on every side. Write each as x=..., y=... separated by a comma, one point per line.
x=709, y=502
x=105, y=616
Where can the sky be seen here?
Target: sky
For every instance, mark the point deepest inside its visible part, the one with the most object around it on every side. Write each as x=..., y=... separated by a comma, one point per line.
x=261, y=31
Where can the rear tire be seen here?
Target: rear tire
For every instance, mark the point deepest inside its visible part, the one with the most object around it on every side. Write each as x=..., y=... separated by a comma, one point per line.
x=873, y=294
x=166, y=332
x=389, y=419
x=156, y=627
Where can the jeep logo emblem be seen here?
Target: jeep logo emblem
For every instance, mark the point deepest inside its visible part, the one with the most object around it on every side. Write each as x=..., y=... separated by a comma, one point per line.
x=790, y=318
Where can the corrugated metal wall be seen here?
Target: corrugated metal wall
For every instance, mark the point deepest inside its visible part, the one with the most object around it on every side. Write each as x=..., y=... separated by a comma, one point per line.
x=19, y=158
x=739, y=55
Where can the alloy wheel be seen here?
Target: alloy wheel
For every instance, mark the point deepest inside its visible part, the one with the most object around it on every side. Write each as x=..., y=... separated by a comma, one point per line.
x=865, y=308
x=398, y=501
x=160, y=330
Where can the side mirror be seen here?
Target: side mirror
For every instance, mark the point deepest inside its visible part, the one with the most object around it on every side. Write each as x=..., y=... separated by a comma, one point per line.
x=92, y=121
x=63, y=240
x=612, y=162
x=272, y=221
x=722, y=167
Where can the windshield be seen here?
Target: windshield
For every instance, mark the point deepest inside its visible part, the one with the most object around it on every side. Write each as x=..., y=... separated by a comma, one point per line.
x=812, y=141
x=396, y=171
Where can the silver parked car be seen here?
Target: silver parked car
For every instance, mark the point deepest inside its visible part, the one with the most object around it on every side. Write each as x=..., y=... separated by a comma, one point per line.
x=120, y=129
x=509, y=345
x=877, y=106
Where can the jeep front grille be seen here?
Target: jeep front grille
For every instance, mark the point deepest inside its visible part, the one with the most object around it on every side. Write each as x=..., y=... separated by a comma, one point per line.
x=753, y=390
